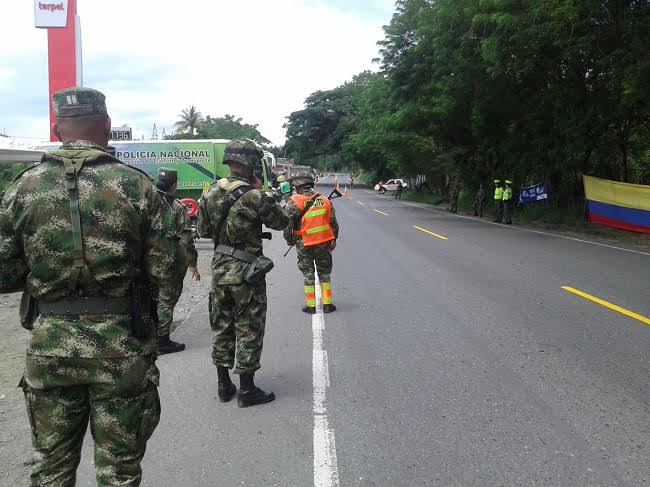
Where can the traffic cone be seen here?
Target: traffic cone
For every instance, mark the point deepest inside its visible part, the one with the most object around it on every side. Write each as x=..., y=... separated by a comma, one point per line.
x=337, y=187
x=345, y=192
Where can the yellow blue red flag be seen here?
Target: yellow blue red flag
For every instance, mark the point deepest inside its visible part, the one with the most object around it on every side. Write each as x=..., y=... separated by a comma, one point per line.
x=620, y=205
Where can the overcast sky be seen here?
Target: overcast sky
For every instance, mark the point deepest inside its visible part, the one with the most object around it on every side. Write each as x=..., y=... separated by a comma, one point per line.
x=256, y=59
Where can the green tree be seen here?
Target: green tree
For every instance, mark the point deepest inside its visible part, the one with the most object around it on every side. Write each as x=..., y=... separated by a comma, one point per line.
x=190, y=120
x=230, y=127
x=524, y=89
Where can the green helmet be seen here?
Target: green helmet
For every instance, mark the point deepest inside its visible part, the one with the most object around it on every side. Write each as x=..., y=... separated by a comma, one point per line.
x=243, y=151
x=302, y=180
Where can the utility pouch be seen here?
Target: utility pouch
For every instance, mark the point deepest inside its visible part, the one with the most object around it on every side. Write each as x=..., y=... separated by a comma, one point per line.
x=258, y=269
x=28, y=311
x=145, y=315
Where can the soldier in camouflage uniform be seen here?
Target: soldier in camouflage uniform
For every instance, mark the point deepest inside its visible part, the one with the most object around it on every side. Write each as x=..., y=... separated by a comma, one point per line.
x=231, y=213
x=178, y=226
x=314, y=234
x=76, y=232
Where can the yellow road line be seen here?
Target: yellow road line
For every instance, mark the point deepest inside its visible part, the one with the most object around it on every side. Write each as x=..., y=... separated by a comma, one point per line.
x=361, y=203
x=382, y=213
x=606, y=304
x=441, y=237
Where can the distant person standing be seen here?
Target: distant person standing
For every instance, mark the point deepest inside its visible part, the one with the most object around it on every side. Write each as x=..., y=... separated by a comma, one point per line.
x=498, y=201
x=178, y=227
x=398, y=191
x=479, y=201
x=454, y=197
x=351, y=181
x=285, y=188
x=313, y=230
x=507, y=202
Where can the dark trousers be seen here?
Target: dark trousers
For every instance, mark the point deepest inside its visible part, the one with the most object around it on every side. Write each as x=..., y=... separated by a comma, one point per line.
x=507, y=211
x=499, y=211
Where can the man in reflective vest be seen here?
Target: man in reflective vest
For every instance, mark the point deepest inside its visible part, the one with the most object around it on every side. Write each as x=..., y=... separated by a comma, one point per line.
x=507, y=202
x=314, y=231
x=498, y=201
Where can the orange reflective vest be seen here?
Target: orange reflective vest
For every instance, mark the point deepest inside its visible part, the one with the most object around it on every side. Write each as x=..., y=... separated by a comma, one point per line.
x=315, y=226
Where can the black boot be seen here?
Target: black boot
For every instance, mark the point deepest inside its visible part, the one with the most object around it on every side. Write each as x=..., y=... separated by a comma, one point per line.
x=328, y=308
x=165, y=345
x=250, y=394
x=310, y=310
x=225, y=388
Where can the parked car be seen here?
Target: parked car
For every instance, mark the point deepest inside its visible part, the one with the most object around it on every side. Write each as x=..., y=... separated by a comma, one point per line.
x=390, y=185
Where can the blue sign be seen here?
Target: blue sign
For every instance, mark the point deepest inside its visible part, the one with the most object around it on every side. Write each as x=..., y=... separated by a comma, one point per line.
x=534, y=193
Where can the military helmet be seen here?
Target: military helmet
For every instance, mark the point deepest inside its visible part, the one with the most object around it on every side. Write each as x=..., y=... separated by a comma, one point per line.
x=508, y=181
x=243, y=151
x=302, y=180
x=497, y=181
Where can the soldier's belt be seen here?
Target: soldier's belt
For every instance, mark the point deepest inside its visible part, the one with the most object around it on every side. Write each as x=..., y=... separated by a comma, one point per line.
x=87, y=306
x=237, y=254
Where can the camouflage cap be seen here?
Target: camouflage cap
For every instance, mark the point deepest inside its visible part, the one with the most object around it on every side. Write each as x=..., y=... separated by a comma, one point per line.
x=78, y=102
x=165, y=174
x=243, y=151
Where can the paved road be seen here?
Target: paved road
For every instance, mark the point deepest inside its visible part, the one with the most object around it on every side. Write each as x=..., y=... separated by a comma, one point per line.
x=458, y=361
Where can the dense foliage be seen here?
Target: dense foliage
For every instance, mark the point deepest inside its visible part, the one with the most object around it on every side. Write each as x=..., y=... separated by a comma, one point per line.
x=192, y=125
x=476, y=89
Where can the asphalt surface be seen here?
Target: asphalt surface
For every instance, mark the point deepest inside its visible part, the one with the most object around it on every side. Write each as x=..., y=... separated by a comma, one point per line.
x=457, y=362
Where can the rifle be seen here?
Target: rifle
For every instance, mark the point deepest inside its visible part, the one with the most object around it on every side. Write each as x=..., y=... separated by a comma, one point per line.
x=333, y=195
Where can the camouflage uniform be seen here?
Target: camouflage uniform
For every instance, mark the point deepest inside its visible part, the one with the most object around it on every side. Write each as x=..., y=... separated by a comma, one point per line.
x=85, y=367
x=454, y=193
x=178, y=226
x=312, y=258
x=238, y=309
x=479, y=202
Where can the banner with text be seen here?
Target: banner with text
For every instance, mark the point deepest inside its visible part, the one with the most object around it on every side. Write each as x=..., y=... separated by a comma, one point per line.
x=531, y=194
x=197, y=163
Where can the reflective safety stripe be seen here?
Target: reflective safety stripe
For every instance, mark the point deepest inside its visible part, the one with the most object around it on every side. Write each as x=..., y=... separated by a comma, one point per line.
x=326, y=289
x=322, y=228
x=310, y=295
x=313, y=213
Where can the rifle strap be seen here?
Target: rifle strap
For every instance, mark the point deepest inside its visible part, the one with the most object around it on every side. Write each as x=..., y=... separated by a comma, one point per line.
x=233, y=197
x=79, y=263
x=298, y=223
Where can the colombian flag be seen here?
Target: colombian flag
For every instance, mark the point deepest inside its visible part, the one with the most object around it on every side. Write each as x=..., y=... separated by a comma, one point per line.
x=619, y=205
